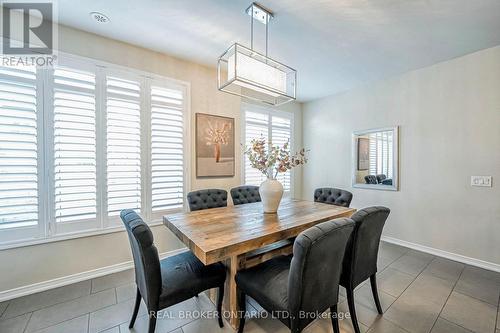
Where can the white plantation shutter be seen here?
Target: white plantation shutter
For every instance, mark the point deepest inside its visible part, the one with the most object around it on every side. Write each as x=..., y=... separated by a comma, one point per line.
x=18, y=148
x=373, y=153
x=123, y=128
x=381, y=153
x=256, y=126
x=74, y=145
x=281, y=133
x=167, y=148
x=275, y=127
x=82, y=141
x=390, y=154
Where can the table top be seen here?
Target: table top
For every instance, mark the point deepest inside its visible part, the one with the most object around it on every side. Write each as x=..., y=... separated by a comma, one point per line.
x=219, y=233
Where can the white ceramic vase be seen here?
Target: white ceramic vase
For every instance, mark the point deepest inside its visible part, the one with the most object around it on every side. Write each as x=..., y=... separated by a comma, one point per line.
x=271, y=192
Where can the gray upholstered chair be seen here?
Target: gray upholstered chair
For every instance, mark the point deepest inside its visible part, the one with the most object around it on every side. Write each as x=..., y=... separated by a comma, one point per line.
x=297, y=289
x=380, y=178
x=371, y=179
x=170, y=281
x=245, y=194
x=205, y=199
x=360, y=261
x=387, y=181
x=333, y=196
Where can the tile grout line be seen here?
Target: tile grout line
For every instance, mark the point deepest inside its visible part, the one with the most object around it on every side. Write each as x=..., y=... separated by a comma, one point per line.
x=68, y=319
x=395, y=298
x=27, y=322
x=145, y=315
x=447, y=298
x=474, y=297
x=498, y=315
x=387, y=266
x=44, y=307
x=5, y=310
x=416, y=277
x=455, y=324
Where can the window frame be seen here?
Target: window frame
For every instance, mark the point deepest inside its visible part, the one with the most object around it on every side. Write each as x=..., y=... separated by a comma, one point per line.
x=270, y=112
x=46, y=230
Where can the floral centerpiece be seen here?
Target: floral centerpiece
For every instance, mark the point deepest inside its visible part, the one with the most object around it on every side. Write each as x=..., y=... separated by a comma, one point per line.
x=271, y=160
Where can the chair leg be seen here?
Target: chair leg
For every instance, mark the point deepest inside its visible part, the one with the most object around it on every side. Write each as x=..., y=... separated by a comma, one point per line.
x=220, y=296
x=373, y=282
x=136, y=309
x=294, y=326
x=335, y=319
x=152, y=321
x=242, y=305
x=352, y=309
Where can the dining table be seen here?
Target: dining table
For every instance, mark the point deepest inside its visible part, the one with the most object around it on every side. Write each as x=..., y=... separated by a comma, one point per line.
x=243, y=236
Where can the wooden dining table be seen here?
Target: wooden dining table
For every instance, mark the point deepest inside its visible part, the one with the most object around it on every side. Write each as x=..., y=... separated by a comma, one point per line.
x=243, y=236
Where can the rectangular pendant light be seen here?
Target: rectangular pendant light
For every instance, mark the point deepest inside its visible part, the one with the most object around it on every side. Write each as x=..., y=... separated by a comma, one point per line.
x=242, y=71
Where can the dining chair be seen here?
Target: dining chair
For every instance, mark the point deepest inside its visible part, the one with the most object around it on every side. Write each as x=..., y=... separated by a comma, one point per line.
x=245, y=194
x=380, y=178
x=371, y=179
x=170, y=281
x=333, y=196
x=205, y=199
x=296, y=290
x=360, y=261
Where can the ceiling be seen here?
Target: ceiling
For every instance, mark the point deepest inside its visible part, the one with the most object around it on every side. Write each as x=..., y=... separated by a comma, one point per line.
x=334, y=45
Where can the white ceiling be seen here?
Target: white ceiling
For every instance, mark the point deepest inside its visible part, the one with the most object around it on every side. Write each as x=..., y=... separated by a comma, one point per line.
x=334, y=44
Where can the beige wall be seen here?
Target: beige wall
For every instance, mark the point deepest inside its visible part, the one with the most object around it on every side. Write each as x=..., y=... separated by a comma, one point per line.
x=449, y=115
x=40, y=263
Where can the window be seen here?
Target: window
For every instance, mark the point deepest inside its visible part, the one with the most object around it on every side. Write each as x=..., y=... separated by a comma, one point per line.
x=381, y=153
x=74, y=118
x=18, y=151
x=84, y=140
x=167, y=154
x=274, y=126
x=123, y=144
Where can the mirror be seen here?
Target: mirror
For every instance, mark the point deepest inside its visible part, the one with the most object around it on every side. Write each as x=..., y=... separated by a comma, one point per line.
x=375, y=159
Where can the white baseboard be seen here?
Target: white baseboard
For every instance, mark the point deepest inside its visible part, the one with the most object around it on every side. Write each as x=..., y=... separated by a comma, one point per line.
x=74, y=278
x=448, y=255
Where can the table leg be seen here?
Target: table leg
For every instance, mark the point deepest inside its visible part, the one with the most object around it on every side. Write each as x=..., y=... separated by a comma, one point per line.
x=230, y=304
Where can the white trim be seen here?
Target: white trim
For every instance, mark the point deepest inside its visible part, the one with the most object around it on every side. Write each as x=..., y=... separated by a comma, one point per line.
x=118, y=69
x=444, y=254
x=395, y=158
x=78, y=234
x=74, y=278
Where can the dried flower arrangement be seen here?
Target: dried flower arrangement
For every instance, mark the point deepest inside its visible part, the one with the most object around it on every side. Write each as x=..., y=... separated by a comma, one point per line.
x=273, y=159
x=216, y=137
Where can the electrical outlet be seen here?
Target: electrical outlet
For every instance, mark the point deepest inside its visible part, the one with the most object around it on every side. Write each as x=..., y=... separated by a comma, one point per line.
x=483, y=181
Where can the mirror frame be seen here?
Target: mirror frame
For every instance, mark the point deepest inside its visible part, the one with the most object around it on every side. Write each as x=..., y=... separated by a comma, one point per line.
x=395, y=159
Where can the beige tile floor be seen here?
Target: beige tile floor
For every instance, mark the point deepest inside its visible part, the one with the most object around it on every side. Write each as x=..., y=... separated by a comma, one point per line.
x=419, y=293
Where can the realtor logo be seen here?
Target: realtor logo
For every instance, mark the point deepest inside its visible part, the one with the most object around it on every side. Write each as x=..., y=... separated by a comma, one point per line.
x=33, y=26
x=28, y=30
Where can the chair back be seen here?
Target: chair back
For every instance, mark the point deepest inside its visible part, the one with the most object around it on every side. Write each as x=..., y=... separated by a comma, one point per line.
x=334, y=196
x=245, y=194
x=381, y=177
x=205, y=199
x=313, y=281
x=146, y=260
x=360, y=261
x=371, y=179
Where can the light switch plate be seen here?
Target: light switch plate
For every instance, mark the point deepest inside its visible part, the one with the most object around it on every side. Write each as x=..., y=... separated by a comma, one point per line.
x=484, y=181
